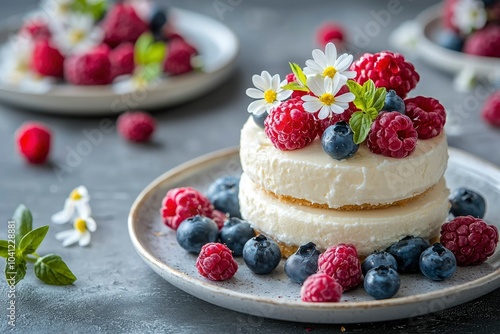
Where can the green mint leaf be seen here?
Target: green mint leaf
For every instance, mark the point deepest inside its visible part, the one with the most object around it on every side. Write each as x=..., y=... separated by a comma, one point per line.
x=295, y=86
x=141, y=48
x=372, y=113
x=354, y=87
x=379, y=98
x=52, y=270
x=15, y=270
x=30, y=242
x=24, y=222
x=4, y=248
x=156, y=53
x=299, y=74
x=360, y=123
x=94, y=8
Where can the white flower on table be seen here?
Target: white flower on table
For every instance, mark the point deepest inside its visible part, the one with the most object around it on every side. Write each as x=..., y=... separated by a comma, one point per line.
x=325, y=100
x=268, y=91
x=78, y=33
x=326, y=64
x=80, y=232
x=469, y=15
x=76, y=204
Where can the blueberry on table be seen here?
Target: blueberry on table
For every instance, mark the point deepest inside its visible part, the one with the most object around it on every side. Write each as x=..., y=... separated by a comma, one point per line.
x=195, y=232
x=466, y=202
x=378, y=258
x=157, y=21
x=223, y=194
x=338, y=141
x=303, y=263
x=382, y=282
x=450, y=40
x=394, y=103
x=407, y=253
x=235, y=233
x=261, y=254
x=437, y=262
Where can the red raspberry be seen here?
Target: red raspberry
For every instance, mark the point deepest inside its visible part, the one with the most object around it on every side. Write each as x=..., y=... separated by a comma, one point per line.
x=216, y=262
x=90, y=68
x=393, y=135
x=289, y=126
x=36, y=29
x=219, y=218
x=47, y=60
x=122, y=59
x=329, y=32
x=182, y=203
x=484, y=42
x=33, y=142
x=427, y=114
x=341, y=262
x=136, y=126
x=386, y=69
x=321, y=287
x=122, y=24
x=179, y=54
x=491, y=109
x=470, y=239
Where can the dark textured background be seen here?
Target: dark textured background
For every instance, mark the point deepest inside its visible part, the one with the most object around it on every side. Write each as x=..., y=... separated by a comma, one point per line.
x=116, y=291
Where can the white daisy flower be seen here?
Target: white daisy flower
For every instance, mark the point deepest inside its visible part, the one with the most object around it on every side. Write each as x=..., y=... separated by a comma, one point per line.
x=269, y=92
x=56, y=9
x=325, y=99
x=326, y=64
x=80, y=232
x=77, y=203
x=77, y=34
x=469, y=15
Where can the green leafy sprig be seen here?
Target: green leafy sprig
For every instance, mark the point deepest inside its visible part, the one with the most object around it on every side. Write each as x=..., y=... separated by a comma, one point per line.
x=20, y=250
x=96, y=9
x=301, y=83
x=369, y=100
x=149, y=56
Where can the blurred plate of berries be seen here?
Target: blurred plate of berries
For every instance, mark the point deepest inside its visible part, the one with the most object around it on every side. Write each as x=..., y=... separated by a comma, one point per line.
x=80, y=57
x=460, y=37
x=236, y=285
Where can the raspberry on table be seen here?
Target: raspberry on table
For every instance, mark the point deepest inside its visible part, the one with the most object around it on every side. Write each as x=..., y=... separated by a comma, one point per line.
x=329, y=32
x=387, y=69
x=484, y=42
x=216, y=262
x=427, y=114
x=90, y=68
x=122, y=24
x=289, y=126
x=136, y=126
x=321, y=287
x=47, y=60
x=33, y=142
x=182, y=203
x=491, y=109
x=470, y=239
x=179, y=54
x=342, y=263
x=392, y=135
x=122, y=59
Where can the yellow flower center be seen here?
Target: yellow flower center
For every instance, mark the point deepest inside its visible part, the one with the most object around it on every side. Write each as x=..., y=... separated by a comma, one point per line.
x=327, y=99
x=330, y=71
x=76, y=36
x=270, y=96
x=80, y=225
x=75, y=195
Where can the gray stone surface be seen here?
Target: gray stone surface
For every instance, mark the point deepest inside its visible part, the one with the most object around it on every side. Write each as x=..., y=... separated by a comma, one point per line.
x=116, y=291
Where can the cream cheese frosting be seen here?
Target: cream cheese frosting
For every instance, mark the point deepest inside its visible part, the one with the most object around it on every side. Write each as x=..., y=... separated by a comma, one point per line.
x=366, y=178
x=368, y=230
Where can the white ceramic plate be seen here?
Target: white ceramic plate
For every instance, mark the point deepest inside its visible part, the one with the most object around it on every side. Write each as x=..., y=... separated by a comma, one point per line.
x=274, y=295
x=218, y=47
x=427, y=25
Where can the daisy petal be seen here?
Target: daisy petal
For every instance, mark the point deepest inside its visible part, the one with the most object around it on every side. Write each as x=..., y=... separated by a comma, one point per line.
x=275, y=82
x=320, y=58
x=255, y=106
x=267, y=79
x=64, y=234
x=347, y=97
x=312, y=107
x=271, y=106
x=337, y=109
x=254, y=93
x=343, y=62
x=309, y=98
x=84, y=239
x=91, y=224
x=324, y=113
x=328, y=85
x=71, y=239
x=283, y=95
x=349, y=74
x=66, y=214
x=83, y=208
x=259, y=82
x=316, y=85
x=312, y=68
x=331, y=53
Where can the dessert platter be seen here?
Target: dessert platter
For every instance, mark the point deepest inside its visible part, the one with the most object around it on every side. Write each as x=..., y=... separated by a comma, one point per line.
x=336, y=208
x=80, y=59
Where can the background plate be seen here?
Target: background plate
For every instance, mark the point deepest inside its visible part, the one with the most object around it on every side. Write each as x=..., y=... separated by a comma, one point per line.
x=274, y=295
x=218, y=47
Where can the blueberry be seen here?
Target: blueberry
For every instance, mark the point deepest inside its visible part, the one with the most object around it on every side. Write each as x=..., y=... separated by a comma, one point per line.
x=338, y=142
x=394, y=103
x=303, y=263
x=450, y=40
x=223, y=194
x=157, y=21
x=437, y=262
x=259, y=119
x=261, y=254
x=195, y=232
x=235, y=233
x=407, y=253
x=382, y=282
x=378, y=258
x=465, y=202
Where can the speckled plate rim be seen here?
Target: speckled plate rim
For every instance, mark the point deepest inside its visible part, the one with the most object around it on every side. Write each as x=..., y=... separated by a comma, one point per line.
x=223, y=297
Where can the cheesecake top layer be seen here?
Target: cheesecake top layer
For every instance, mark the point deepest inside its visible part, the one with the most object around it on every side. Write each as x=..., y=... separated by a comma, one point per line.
x=365, y=179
